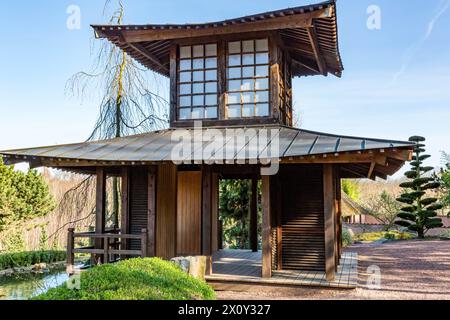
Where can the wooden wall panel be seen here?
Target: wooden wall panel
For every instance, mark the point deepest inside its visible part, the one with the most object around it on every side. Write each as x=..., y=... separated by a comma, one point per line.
x=138, y=206
x=302, y=243
x=166, y=211
x=189, y=210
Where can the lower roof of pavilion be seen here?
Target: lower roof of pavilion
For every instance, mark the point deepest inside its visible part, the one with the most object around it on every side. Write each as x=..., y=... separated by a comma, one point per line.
x=358, y=157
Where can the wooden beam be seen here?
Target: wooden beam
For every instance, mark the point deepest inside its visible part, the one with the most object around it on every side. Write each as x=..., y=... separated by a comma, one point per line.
x=316, y=49
x=100, y=208
x=143, y=51
x=214, y=212
x=305, y=65
x=254, y=216
x=328, y=199
x=125, y=205
x=207, y=217
x=303, y=20
x=275, y=74
x=279, y=223
x=372, y=168
x=266, y=229
x=173, y=84
x=151, y=213
x=339, y=158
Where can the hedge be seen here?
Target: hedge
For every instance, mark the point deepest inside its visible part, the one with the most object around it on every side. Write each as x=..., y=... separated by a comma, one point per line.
x=25, y=259
x=134, y=279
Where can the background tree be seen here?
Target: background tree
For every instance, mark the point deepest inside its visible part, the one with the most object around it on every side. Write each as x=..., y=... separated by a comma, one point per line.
x=444, y=178
x=351, y=188
x=234, y=204
x=23, y=196
x=128, y=105
x=383, y=207
x=419, y=214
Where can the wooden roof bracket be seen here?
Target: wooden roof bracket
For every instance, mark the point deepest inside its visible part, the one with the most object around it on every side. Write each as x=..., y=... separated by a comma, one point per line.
x=141, y=49
x=316, y=49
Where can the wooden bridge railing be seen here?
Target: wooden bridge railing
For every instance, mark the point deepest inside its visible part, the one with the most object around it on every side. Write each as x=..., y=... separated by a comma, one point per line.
x=109, y=246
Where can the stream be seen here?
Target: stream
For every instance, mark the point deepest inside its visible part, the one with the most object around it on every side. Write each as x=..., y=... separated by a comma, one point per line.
x=26, y=286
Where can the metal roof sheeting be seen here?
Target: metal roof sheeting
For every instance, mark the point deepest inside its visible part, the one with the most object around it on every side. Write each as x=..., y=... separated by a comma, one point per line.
x=157, y=146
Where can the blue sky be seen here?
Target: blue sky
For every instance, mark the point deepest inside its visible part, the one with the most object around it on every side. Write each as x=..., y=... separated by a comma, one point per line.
x=395, y=83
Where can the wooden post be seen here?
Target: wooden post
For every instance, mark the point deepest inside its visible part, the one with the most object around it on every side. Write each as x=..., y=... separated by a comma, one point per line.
x=339, y=212
x=279, y=223
x=151, y=207
x=70, y=255
x=144, y=243
x=125, y=175
x=100, y=209
x=173, y=83
x=220, y=235
x=266, y=229
x=106, y=250
x=214, y=212
x=254, y=216
x=206, y=216
x=328, y=198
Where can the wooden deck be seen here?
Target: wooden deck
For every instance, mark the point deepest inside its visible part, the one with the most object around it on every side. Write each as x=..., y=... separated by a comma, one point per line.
x=239, y=269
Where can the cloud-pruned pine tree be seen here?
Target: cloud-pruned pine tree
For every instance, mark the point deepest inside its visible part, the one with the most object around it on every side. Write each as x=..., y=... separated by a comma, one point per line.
x=419, y=213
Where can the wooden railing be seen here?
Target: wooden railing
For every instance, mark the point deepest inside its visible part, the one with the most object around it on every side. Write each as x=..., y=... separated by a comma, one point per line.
x=108, y=247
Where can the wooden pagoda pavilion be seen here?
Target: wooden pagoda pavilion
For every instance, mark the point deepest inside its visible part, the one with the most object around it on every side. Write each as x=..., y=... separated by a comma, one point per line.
x=233, y=74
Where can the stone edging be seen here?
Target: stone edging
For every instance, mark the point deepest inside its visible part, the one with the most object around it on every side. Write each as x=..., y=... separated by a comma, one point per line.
x=36, y=269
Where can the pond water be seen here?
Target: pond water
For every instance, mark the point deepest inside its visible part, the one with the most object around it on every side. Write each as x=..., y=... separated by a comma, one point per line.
x=26, y=286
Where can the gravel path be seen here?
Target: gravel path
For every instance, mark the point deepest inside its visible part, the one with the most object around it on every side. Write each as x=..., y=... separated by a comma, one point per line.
x=411, y=270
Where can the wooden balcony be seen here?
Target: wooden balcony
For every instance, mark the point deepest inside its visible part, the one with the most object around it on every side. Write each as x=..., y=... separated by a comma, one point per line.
x=107, y=247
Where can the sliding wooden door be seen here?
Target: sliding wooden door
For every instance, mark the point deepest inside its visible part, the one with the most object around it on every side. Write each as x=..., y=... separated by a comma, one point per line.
x=189, y=196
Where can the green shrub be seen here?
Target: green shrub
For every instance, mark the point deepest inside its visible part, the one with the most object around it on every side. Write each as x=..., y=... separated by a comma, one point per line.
x=347, y=238
x=389, y=235
x=134, y=279
x=25, y=259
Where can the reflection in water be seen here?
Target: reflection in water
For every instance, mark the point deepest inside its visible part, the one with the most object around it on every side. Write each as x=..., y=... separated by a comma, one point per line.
x=25, y=286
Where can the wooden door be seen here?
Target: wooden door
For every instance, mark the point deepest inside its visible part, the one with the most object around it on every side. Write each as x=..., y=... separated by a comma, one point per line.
x=189, y=196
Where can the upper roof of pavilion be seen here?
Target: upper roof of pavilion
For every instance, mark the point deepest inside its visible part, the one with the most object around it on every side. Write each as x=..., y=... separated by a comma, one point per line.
x=308, y=33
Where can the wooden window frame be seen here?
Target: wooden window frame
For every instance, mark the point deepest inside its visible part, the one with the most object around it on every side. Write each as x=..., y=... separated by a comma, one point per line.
x=253, y=78
x=192, y=82
x=221, y=42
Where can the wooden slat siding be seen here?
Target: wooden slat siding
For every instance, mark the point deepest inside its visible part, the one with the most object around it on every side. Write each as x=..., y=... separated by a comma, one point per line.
x=329, y=215
x=266, y=228
x=151, y=212
x=166, y=211
x=215, y=212
x=173, y=83
x=189, y=213
x=124, y=227
x=303, y=245
x=138, y=204
x=254, y=216
x=100, y=205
